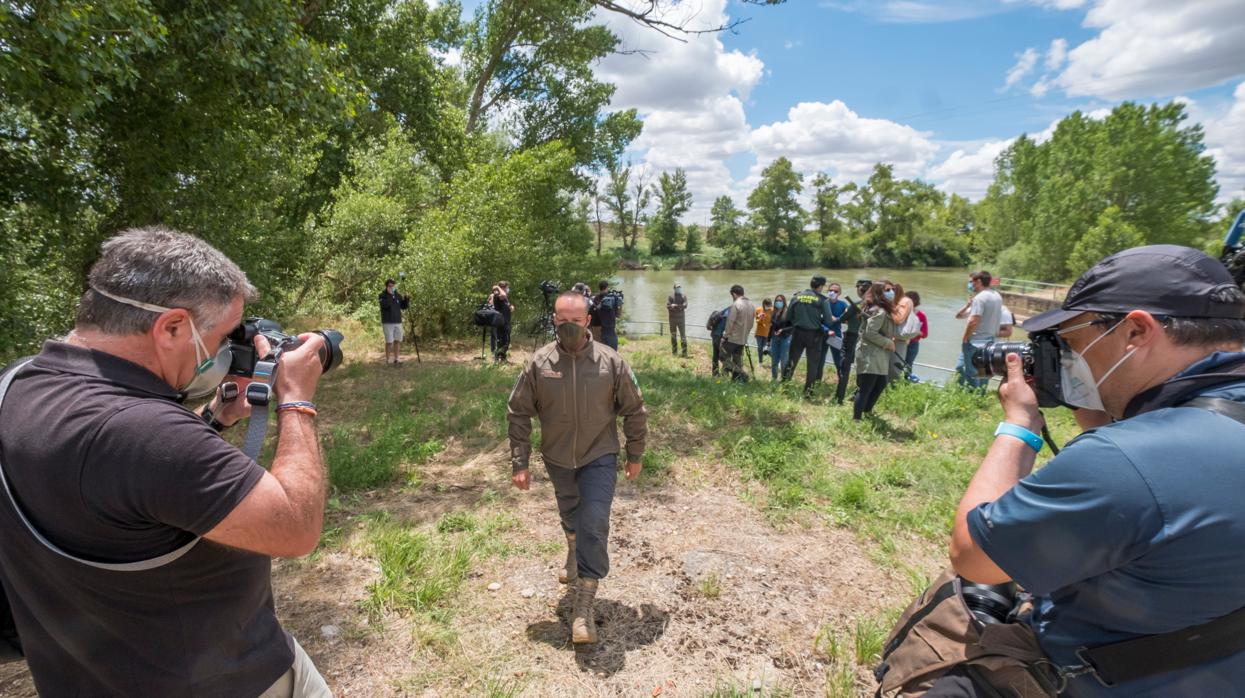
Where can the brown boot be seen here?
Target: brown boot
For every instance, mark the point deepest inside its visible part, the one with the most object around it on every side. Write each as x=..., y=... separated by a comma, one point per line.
x=571, y=571
x=583, y=627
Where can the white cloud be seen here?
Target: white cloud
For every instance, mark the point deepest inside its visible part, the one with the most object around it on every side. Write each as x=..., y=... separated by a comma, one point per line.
x=1152, y=48
x=1024, y=65
x=1225, y=142
x=1057, y=54
x=968, y=172
x=917, y=11
x=1051, y=4
x=690, y=96
x=819, y=137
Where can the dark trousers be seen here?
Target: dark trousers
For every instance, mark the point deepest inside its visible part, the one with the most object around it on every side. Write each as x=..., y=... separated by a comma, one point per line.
x=845, y=366
x=609, y=337
x=735, y=361
x=836, y=359
x=815, y=342
x=869, y=387
x=762, y=346
x=499, y=342
x=717, y=356
x=678, y=330
x=584, y=497
x=914, y=347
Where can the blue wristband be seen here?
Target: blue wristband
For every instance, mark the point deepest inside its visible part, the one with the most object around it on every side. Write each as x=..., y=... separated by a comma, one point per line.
x=1032, y=440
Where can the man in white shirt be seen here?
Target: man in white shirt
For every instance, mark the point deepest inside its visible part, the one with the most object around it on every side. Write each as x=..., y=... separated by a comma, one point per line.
x=985, y=315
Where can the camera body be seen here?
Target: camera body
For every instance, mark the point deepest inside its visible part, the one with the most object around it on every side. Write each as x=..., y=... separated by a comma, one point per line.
x=550, y=288
x=612, y=298
x=242, y=345
x=1039, y=359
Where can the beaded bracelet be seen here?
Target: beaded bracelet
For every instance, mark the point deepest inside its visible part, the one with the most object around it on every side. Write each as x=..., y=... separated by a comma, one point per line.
x=306, y=408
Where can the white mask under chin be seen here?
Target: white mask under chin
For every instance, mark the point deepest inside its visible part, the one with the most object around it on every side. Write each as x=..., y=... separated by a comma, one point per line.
x=204, y=383
x=1077, y=380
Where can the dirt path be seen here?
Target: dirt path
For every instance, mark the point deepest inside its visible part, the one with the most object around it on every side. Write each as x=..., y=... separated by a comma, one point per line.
x=702, y=592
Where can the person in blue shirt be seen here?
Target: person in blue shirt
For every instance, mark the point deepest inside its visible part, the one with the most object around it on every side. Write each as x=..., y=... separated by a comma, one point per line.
x=834, y=331
x=1136, y=528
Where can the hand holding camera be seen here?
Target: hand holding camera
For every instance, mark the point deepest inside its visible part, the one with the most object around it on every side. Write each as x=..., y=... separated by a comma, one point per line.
x=1019, y=401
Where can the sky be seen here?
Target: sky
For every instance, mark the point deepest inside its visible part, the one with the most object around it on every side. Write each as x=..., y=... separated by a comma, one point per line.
x=937, y=88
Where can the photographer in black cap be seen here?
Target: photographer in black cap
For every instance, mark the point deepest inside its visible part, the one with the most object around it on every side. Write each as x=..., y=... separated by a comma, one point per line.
x=1136, y=528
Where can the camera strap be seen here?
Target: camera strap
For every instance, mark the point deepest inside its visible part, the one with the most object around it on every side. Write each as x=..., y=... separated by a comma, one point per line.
x=137, y=566
x=259, y=395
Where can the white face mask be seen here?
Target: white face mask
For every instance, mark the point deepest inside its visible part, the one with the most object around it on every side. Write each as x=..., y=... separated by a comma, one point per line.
x=1075, y=377
x=833, y=295
x=210, y=369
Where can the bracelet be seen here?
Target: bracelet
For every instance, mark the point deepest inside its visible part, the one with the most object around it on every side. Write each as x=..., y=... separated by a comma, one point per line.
x=300, y=403
x=1032, y=440
x=297, y=408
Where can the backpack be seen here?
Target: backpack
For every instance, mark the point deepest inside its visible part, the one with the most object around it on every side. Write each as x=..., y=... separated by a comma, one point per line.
x=486, y=316
x=717, y=319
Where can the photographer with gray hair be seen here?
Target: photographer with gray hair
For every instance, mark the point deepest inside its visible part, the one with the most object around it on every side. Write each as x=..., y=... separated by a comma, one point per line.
x=135, y=543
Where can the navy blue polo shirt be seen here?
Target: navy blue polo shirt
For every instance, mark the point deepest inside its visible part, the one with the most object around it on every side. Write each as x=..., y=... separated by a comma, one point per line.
x=1136, y=528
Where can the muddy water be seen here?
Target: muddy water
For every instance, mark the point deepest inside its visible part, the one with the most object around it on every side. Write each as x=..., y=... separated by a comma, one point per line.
x=942, y=292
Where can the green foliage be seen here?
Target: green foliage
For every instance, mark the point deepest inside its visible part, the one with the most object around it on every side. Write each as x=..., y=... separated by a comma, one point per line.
x=692, y=239
x=1138, y=176
x=776, y=212
x=626, y=200
x=673, y=200
x=510, y=219
x=724, y=217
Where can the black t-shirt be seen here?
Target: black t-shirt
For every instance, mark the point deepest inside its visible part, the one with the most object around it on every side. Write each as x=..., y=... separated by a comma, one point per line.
x=605, y=310
x=109, y=467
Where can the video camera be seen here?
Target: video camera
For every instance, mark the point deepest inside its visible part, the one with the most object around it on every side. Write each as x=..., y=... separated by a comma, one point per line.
x=1233, y=255
x=242, y=346
x=550, y=288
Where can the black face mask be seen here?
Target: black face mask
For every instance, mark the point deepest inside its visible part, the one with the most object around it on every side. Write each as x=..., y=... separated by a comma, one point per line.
x=571, y=335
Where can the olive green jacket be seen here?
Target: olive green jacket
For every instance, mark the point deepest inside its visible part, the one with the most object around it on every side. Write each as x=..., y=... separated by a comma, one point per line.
x=578, y=399
x=877, y=332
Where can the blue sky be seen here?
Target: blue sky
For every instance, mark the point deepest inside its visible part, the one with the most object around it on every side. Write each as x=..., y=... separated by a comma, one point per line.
x=936, y=87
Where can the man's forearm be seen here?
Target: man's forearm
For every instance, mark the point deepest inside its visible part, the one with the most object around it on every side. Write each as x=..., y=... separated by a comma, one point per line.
x=971, y=327
x=1007, y=462
x=299, y=468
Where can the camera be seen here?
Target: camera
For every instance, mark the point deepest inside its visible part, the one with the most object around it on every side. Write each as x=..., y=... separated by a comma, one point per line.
x=1233, y=255
x=242, y=345
x=550, y=288
x=989, y=603
x=1039, y=359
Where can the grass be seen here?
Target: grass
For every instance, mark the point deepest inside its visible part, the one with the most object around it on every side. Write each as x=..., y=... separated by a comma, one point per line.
x=710, y=587
x=420, y=570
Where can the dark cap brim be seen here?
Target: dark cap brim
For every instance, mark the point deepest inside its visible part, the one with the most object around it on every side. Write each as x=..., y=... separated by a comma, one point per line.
x=1049, y=319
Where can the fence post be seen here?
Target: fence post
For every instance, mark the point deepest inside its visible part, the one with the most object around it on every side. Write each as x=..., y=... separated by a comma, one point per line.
x=660, y=327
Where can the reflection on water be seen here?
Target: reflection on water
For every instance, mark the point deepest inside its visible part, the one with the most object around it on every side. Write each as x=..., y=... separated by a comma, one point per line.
x=942, y=292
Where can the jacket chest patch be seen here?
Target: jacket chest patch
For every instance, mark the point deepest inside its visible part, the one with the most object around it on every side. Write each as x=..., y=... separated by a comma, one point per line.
x=550, y=373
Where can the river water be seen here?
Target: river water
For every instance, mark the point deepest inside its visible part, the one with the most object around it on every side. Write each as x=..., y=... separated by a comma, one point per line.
x=942, y=292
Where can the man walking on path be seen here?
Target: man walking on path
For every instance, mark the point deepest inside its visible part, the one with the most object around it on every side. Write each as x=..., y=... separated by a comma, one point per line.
x=809, y=311
x=391, y=306
x=676, y=305
x=577, y=388
x=985, y=314
x=738, y=329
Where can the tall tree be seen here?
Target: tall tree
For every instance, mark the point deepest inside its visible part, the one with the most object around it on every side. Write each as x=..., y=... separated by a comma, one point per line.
x=826, y=207
x=776, y=211
x=627, y=200
x=673, y=200
x=724, y=221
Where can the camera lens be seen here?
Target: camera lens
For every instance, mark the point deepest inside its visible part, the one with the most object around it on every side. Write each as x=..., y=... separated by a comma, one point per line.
x=331, y=352
x=990, y=358
x=989, y=603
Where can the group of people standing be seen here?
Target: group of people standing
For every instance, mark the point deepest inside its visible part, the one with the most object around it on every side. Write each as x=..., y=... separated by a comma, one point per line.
x=879, y=335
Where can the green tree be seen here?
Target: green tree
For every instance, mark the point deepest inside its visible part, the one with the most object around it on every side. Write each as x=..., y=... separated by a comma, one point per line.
x=1044, y=214
x=1110, y=234
x=673, y=200
x=776, y=211
x=692, y=239
x=627, y=201
x=724, y=221
x=826, y=207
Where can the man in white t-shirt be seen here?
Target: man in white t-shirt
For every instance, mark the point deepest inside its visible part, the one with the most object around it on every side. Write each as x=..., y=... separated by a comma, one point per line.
x=985, y=314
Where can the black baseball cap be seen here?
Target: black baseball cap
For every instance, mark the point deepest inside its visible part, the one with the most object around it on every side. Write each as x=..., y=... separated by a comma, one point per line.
x=1159, y=279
